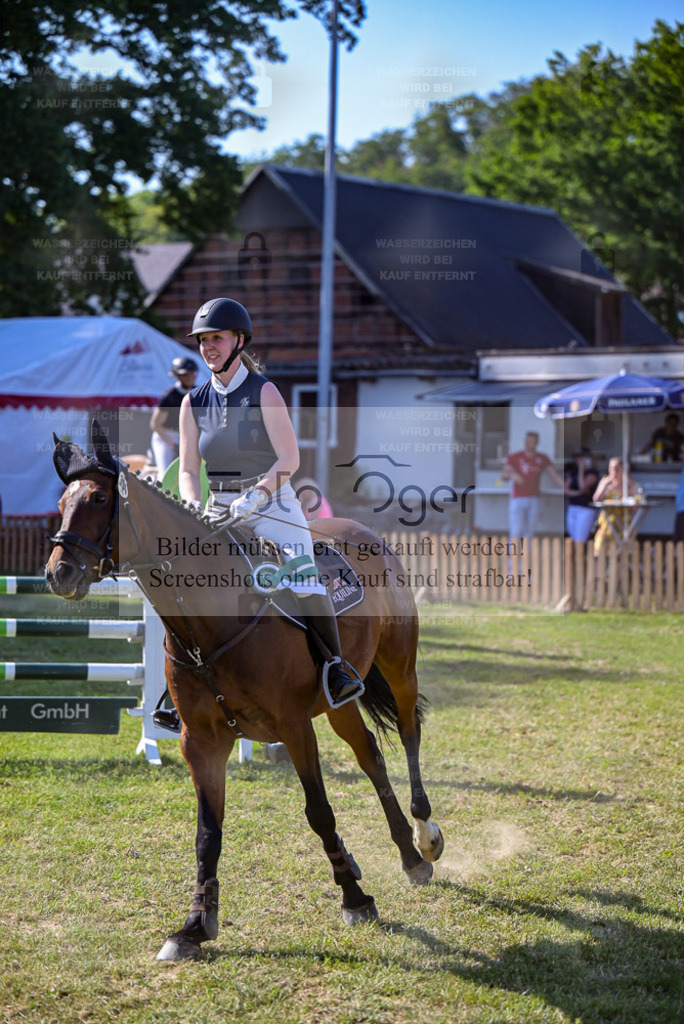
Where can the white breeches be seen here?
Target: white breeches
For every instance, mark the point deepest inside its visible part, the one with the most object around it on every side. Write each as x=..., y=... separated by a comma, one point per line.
x=164, y=453
x=280, y=520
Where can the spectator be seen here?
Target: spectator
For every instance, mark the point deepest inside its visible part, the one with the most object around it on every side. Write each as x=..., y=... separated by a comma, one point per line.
x=615, y=520
x=580, y=483
x=679, y=502
x=666, y=441
x=164, y=422
x=525, y=468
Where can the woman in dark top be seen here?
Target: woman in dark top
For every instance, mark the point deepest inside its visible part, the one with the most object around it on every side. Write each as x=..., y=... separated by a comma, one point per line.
x=239, y=424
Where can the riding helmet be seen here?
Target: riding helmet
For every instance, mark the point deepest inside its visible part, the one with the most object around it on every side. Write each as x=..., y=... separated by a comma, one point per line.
x=222, y=315
x=183, y=364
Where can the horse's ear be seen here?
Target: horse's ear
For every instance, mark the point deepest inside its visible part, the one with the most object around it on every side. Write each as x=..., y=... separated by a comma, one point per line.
x=99, y=441
x=101, y=448
x=68, y=459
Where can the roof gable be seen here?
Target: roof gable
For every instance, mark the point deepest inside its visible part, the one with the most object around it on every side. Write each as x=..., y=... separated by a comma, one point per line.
x=456, y=268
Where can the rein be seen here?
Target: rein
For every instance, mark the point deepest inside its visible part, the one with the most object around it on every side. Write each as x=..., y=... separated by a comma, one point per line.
x=202, y=667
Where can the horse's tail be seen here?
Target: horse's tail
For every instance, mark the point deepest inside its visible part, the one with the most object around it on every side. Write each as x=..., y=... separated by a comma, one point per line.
x=378, y=701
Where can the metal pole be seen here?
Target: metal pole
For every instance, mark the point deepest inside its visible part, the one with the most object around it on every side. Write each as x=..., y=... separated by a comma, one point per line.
x=327, y=300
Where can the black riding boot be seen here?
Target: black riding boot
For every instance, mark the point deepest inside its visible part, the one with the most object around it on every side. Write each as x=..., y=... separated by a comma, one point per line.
x=339, y=684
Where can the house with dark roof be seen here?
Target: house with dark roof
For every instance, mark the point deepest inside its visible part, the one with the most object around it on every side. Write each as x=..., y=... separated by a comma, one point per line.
x=426, y=285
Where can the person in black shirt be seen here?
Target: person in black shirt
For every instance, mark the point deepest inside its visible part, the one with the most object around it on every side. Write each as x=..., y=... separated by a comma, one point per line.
x=666, y=441
x=164, y=422
x=579, y=484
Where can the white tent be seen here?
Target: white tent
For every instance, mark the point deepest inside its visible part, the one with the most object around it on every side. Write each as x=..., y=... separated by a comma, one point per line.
x=56, y=371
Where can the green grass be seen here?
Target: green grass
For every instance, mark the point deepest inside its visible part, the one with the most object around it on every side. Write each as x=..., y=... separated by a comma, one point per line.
x=552, y=759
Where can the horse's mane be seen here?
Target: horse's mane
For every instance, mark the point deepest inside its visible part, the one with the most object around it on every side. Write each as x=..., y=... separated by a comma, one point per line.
x=180, y=504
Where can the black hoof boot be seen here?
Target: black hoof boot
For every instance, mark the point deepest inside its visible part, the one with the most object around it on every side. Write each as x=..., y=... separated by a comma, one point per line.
x=167, y=719
x=339, y=685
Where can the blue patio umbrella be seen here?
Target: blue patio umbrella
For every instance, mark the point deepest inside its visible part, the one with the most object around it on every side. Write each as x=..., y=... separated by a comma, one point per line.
x=623, y=393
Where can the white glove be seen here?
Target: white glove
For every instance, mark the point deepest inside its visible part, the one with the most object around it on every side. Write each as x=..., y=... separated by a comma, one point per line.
x=248, y=503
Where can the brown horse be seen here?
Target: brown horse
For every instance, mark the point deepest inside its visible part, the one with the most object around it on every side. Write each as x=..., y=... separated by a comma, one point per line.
x=254, y=675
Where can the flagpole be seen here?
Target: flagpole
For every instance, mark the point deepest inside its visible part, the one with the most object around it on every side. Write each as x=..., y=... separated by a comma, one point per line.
x=327, y=298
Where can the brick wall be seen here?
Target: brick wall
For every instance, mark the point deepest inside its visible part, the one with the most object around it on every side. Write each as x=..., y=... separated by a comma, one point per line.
x=282, y=296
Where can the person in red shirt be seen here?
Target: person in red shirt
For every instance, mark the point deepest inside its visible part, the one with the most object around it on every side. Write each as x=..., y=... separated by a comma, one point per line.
x=525, y=468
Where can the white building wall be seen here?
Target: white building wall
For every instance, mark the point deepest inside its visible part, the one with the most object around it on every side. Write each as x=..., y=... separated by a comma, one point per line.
x=393, y=425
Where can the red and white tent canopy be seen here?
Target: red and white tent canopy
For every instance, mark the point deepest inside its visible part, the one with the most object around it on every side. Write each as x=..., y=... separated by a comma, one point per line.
x=56, y=371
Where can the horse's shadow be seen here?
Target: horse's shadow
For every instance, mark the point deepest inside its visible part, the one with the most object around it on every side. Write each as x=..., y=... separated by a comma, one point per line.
x=601, y=968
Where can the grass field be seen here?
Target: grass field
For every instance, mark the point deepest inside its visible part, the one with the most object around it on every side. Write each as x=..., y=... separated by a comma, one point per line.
x=552, y=757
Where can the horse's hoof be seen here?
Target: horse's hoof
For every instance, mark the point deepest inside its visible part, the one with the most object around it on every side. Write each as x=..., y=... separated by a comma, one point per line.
x=421, y=874
x=174, y=950
x=360, y=915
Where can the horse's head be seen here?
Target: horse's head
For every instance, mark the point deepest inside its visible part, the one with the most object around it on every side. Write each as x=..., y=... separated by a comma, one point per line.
x=84, y=548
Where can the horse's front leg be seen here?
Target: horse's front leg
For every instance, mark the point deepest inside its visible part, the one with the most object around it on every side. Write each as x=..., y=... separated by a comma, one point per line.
x=357, y=907
x=206, y=759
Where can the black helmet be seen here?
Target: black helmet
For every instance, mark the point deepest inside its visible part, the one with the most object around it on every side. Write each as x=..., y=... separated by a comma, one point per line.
x=222, y=315
x=183, y=364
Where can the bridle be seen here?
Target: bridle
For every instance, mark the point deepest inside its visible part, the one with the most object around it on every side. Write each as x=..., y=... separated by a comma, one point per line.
x=202, y=667
x=102, y=548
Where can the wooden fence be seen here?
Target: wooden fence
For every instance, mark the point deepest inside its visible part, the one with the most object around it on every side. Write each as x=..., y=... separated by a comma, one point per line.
x=24, y=547
x=547, y=572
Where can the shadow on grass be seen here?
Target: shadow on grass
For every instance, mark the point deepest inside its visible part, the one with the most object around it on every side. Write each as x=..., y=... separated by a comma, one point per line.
x=446, y=687
x=507, y=788
x=627, y=900
x=485, y=649
x=606, y=970
x=85, y=768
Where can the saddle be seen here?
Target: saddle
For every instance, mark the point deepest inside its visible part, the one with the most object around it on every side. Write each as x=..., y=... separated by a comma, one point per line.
x=269, y=570
x=273, y=581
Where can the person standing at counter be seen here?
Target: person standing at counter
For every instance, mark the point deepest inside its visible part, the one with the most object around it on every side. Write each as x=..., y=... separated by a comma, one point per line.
x=666, y=441
x=581, y=479
x=525, y=468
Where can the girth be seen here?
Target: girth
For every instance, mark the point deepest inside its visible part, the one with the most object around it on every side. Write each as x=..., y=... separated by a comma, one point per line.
x=200, y=666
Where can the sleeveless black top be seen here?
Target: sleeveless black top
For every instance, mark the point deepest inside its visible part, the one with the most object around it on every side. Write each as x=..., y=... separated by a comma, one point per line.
x=233, y=441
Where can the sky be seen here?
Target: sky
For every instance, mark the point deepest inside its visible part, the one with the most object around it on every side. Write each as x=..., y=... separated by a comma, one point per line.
x=413, y=53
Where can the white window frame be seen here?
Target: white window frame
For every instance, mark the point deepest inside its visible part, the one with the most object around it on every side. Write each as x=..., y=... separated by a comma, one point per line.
x=297, y=391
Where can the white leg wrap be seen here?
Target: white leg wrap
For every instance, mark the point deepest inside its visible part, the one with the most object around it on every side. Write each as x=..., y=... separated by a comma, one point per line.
x=428, y=839
x=424, y=833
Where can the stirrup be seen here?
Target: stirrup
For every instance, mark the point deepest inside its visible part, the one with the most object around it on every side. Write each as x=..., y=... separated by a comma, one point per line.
x=167, y=719
x=357, y=692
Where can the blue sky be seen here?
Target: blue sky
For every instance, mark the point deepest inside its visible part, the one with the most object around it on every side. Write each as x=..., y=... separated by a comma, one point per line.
x=409, y=53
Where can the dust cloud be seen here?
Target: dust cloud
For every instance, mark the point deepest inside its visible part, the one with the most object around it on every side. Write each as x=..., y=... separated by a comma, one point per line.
x=493, y=842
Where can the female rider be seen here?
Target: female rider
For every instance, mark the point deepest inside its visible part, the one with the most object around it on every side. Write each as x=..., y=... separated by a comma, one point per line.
x=239, y=424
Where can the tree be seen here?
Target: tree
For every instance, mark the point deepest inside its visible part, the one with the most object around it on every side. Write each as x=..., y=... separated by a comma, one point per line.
x=431, y=153
x=309, y=154
x=601, y=141
x=73, y=141
x=384, y=156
